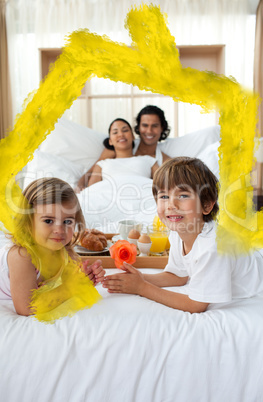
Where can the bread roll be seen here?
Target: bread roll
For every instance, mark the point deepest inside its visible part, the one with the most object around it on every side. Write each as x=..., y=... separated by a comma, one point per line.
x=93, y=240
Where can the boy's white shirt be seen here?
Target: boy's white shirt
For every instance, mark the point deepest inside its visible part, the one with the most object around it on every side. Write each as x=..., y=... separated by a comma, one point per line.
x=213, y=277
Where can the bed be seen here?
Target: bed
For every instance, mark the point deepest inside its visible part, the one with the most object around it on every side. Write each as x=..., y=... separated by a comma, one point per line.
x=127, y=348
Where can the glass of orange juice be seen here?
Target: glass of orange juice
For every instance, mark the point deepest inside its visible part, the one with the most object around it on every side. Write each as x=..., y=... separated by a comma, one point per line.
x=160, y=225
x=159, y=238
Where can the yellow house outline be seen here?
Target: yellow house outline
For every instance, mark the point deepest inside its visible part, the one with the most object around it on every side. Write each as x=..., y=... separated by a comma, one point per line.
x=151, y=64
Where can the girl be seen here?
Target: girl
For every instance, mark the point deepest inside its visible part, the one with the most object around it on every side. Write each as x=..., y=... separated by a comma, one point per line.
x=186, y=194
x=121, y=141
x=41, y=244
x=152, y=127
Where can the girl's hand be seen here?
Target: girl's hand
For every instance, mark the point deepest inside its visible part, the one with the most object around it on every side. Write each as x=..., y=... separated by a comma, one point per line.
x=131, y=281
x=95, y=271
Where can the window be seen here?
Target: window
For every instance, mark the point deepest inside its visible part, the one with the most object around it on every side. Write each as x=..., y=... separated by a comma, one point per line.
x=102, y=100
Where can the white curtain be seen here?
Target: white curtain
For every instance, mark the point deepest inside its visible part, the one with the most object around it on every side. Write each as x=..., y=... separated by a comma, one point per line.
x=34, y=24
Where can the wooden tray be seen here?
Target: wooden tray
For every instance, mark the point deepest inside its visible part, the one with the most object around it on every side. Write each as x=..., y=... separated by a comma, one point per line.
x=141, y=262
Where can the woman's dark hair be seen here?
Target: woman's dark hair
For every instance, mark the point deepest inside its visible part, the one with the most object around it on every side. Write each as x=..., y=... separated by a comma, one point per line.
x=185, y=173
x=106, y=141
x=151, y=109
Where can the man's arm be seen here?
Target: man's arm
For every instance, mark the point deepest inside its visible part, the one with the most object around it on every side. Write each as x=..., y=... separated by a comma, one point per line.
x=154, y=168
x=165, y=157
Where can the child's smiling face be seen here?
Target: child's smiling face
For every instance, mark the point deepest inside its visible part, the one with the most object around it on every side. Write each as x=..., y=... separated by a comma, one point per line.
x=53, y=225
x=180, y=210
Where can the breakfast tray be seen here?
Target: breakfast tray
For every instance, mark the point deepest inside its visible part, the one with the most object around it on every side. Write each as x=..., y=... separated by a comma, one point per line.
x=151, y=261
x=141, y=262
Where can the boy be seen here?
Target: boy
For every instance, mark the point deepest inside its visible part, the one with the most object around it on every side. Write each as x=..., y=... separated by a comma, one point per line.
x=186, y=193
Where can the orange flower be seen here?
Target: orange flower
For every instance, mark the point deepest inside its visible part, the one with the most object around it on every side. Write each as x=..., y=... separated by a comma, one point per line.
x=122, y=251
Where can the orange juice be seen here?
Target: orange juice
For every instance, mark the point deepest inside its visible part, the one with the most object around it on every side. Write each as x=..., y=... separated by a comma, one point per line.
x=158, y=225
x=159, y=241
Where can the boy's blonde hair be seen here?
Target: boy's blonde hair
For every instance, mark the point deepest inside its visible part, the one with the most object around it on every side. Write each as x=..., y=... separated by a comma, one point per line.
x=45, y=191
x=185, y=172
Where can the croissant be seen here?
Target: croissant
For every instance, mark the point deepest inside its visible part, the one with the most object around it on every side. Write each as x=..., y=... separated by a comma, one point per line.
x=93, y=240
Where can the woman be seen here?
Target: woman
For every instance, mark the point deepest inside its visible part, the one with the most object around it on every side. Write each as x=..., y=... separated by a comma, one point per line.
x=152, y=127
x=121, y=141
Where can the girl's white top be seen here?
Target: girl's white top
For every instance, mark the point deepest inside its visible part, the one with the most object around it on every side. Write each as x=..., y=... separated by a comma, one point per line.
x=135, y=166
x=215, y=277
x=158, y=152
x=5, y=293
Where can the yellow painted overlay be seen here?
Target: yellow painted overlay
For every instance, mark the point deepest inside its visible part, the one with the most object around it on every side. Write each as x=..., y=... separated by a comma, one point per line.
x=152, y=63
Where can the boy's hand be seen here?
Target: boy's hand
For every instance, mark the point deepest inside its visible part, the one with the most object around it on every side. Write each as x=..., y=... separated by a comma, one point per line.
x=129, y=282
x=95, y=271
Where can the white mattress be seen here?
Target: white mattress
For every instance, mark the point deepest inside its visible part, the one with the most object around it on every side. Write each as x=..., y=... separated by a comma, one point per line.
x=130, y=349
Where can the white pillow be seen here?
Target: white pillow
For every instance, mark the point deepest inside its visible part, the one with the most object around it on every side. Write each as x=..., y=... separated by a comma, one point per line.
x=191, y=144
x=76, y=143
x=47, y=165
x=210, y=157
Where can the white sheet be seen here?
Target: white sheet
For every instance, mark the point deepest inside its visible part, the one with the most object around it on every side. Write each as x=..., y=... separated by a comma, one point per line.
x=127, y=348
x=122, y=197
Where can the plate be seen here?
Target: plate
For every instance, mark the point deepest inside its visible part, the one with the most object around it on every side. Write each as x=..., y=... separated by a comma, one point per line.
x=109, y=236
x=116, y=238
x=84, y=251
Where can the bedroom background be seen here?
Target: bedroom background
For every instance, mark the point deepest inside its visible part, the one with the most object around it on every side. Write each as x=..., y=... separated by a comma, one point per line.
x=202, y=29
x=219, y=35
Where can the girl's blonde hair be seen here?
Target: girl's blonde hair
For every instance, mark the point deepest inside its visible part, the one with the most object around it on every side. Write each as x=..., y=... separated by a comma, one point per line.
x=185, y=173
x=45, y=191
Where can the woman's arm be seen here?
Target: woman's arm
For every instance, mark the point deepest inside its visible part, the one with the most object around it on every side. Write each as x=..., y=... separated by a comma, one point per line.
x=154, y=168
x=96, y=175
x=84, y=180
x=23, y=279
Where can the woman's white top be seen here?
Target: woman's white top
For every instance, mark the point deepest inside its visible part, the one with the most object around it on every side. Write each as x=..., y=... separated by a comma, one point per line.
x=158, y=152
x=136, y=166
x=214, y=277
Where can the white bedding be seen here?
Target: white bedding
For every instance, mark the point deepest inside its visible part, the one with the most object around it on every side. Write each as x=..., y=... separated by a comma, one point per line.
x=127, y=348
x=108, y=201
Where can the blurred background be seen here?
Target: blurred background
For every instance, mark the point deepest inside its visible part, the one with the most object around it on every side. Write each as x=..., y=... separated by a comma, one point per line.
x=215, y=35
